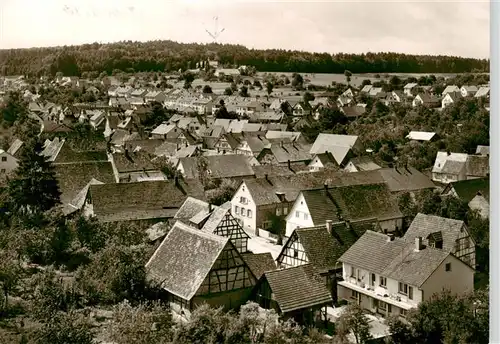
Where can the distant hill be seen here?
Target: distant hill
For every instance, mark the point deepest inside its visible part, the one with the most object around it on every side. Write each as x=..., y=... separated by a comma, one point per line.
x=167, y=56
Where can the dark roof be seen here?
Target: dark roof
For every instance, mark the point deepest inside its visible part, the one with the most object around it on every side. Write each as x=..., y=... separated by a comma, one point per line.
x=468, y=189
x=426, y=225
x=52, y=127
x=477, y=165
x=324, y=249
x=141, y=200
x=133, y=161
x=190, y=208
x=292, y=151
x=405, y=179
x=72, y=178
x=272, y=170
x=220, y=166
x=364, y=163
x=320, y=205
x=259, y=263
x=297, y=288
x=353, y=111
x=146, y=145
x=184, y=259
x=264, y=190
x=396, y=259
x=69, y=155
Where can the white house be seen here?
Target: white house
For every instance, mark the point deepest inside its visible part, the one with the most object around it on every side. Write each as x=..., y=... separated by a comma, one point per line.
x=316, y=206
x=450, y=89
x=409, y=87
x=449, y=167
x=483, y=91
x=468, y=91
x=390, y=276
x=420, y=136
x=7, y=163
x=450, y=98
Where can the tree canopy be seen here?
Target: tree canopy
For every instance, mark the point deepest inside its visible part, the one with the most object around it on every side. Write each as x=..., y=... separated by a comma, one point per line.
x=171, y=56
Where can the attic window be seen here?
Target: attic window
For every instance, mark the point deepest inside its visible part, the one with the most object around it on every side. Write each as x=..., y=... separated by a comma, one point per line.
x=448, y=267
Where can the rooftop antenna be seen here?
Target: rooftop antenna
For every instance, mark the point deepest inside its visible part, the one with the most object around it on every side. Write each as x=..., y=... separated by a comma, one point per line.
x=216, y=33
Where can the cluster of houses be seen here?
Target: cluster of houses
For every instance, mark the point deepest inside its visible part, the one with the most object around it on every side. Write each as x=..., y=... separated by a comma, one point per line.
x=336, y=210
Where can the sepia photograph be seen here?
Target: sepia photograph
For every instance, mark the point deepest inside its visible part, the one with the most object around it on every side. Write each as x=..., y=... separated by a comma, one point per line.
x=248, y=172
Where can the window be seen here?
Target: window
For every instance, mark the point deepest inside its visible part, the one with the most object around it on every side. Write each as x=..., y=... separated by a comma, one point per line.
x=285, y=210
x=403, y=288
x=295, y=253
x=448, y=267
x=278, y=211
x=410, y=293
x=306, y=216
x=385, y=306
x=372, y=280
x=4, y=158
x=403, y=312
x=297, y=214
x=242, y=211
x=383, y=282
x=243, y=200
x=353, y=272
x=3, y=170
x=354, y=294
x=466, y=243
x=236, y=209
x=249, y=213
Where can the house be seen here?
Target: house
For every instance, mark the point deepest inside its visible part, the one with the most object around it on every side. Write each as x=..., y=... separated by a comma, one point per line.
x=353, y=111
x=257, y=200
x=450, y=98
x=150, y=201
x=408, y=88
x=390, y=276
x=216, y=166
x=295, y=293
x=340, y=146
x=286, y=153
x=452, y=167
x=302, y=109
x=449, y=235
x=474, y=192
x=450, y=89
x=366, y=89
x=213, y=219
x=361, y=163
x=353, y=202
x=426, y=100
x=483, y=91
x=375, y=92
x=166, y=131
x=321, y=246
x=468, y=91
x=193, y=267
x=405, y=179
x=321, y=161
x=135, y=166
x=259, y=263
x=8, y=163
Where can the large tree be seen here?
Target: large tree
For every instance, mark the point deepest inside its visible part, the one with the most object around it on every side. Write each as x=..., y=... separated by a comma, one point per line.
x=34, y=187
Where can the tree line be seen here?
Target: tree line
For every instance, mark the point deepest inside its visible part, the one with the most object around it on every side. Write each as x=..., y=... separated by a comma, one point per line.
x=166, y=56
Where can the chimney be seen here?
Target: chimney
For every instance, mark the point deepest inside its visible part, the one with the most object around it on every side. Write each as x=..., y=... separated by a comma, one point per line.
x=281, y=144
x=390, y=237
x=329, y=226
x=325, y=185
x=266, y=176
x=418, y=244
x=448, y=153
x=176, y=180
x=289, y=164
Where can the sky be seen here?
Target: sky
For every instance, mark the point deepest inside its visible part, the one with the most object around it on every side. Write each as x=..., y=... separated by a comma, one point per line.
x=459, y=28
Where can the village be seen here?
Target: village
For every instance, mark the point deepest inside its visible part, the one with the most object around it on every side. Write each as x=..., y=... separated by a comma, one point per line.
x=245, y=194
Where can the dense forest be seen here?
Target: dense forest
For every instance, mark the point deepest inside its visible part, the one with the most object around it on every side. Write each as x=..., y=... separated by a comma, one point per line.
x=170, y=56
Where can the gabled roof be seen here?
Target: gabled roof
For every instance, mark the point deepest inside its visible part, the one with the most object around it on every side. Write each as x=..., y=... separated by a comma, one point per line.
x=259, y=263
x=297, y=288
x=72, y=178
x=450, y=88
x=466, y=190
x=395, y=259
x=133, y=161
x=141, y=200
x=219, y=166
x=405, y=179
x=68, y=155
x=424, y=225
x=292, y=152
x=184, y=259
x=364, y=163
x=331, y=142
x=483, y=150
x=477, y=165
x=324, y=249
x=449, y=163
x=190, y=208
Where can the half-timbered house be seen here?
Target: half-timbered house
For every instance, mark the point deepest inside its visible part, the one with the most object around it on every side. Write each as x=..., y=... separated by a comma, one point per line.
x=449, y=235
x=193, y=267
x=213, y=219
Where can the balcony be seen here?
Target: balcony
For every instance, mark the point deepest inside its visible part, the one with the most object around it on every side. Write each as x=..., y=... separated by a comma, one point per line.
x=365, y=289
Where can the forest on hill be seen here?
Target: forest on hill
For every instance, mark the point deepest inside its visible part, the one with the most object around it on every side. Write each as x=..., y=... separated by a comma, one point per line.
x=166, y=56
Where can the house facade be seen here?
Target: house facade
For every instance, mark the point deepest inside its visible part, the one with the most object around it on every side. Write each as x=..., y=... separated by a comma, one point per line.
x=379, y=274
